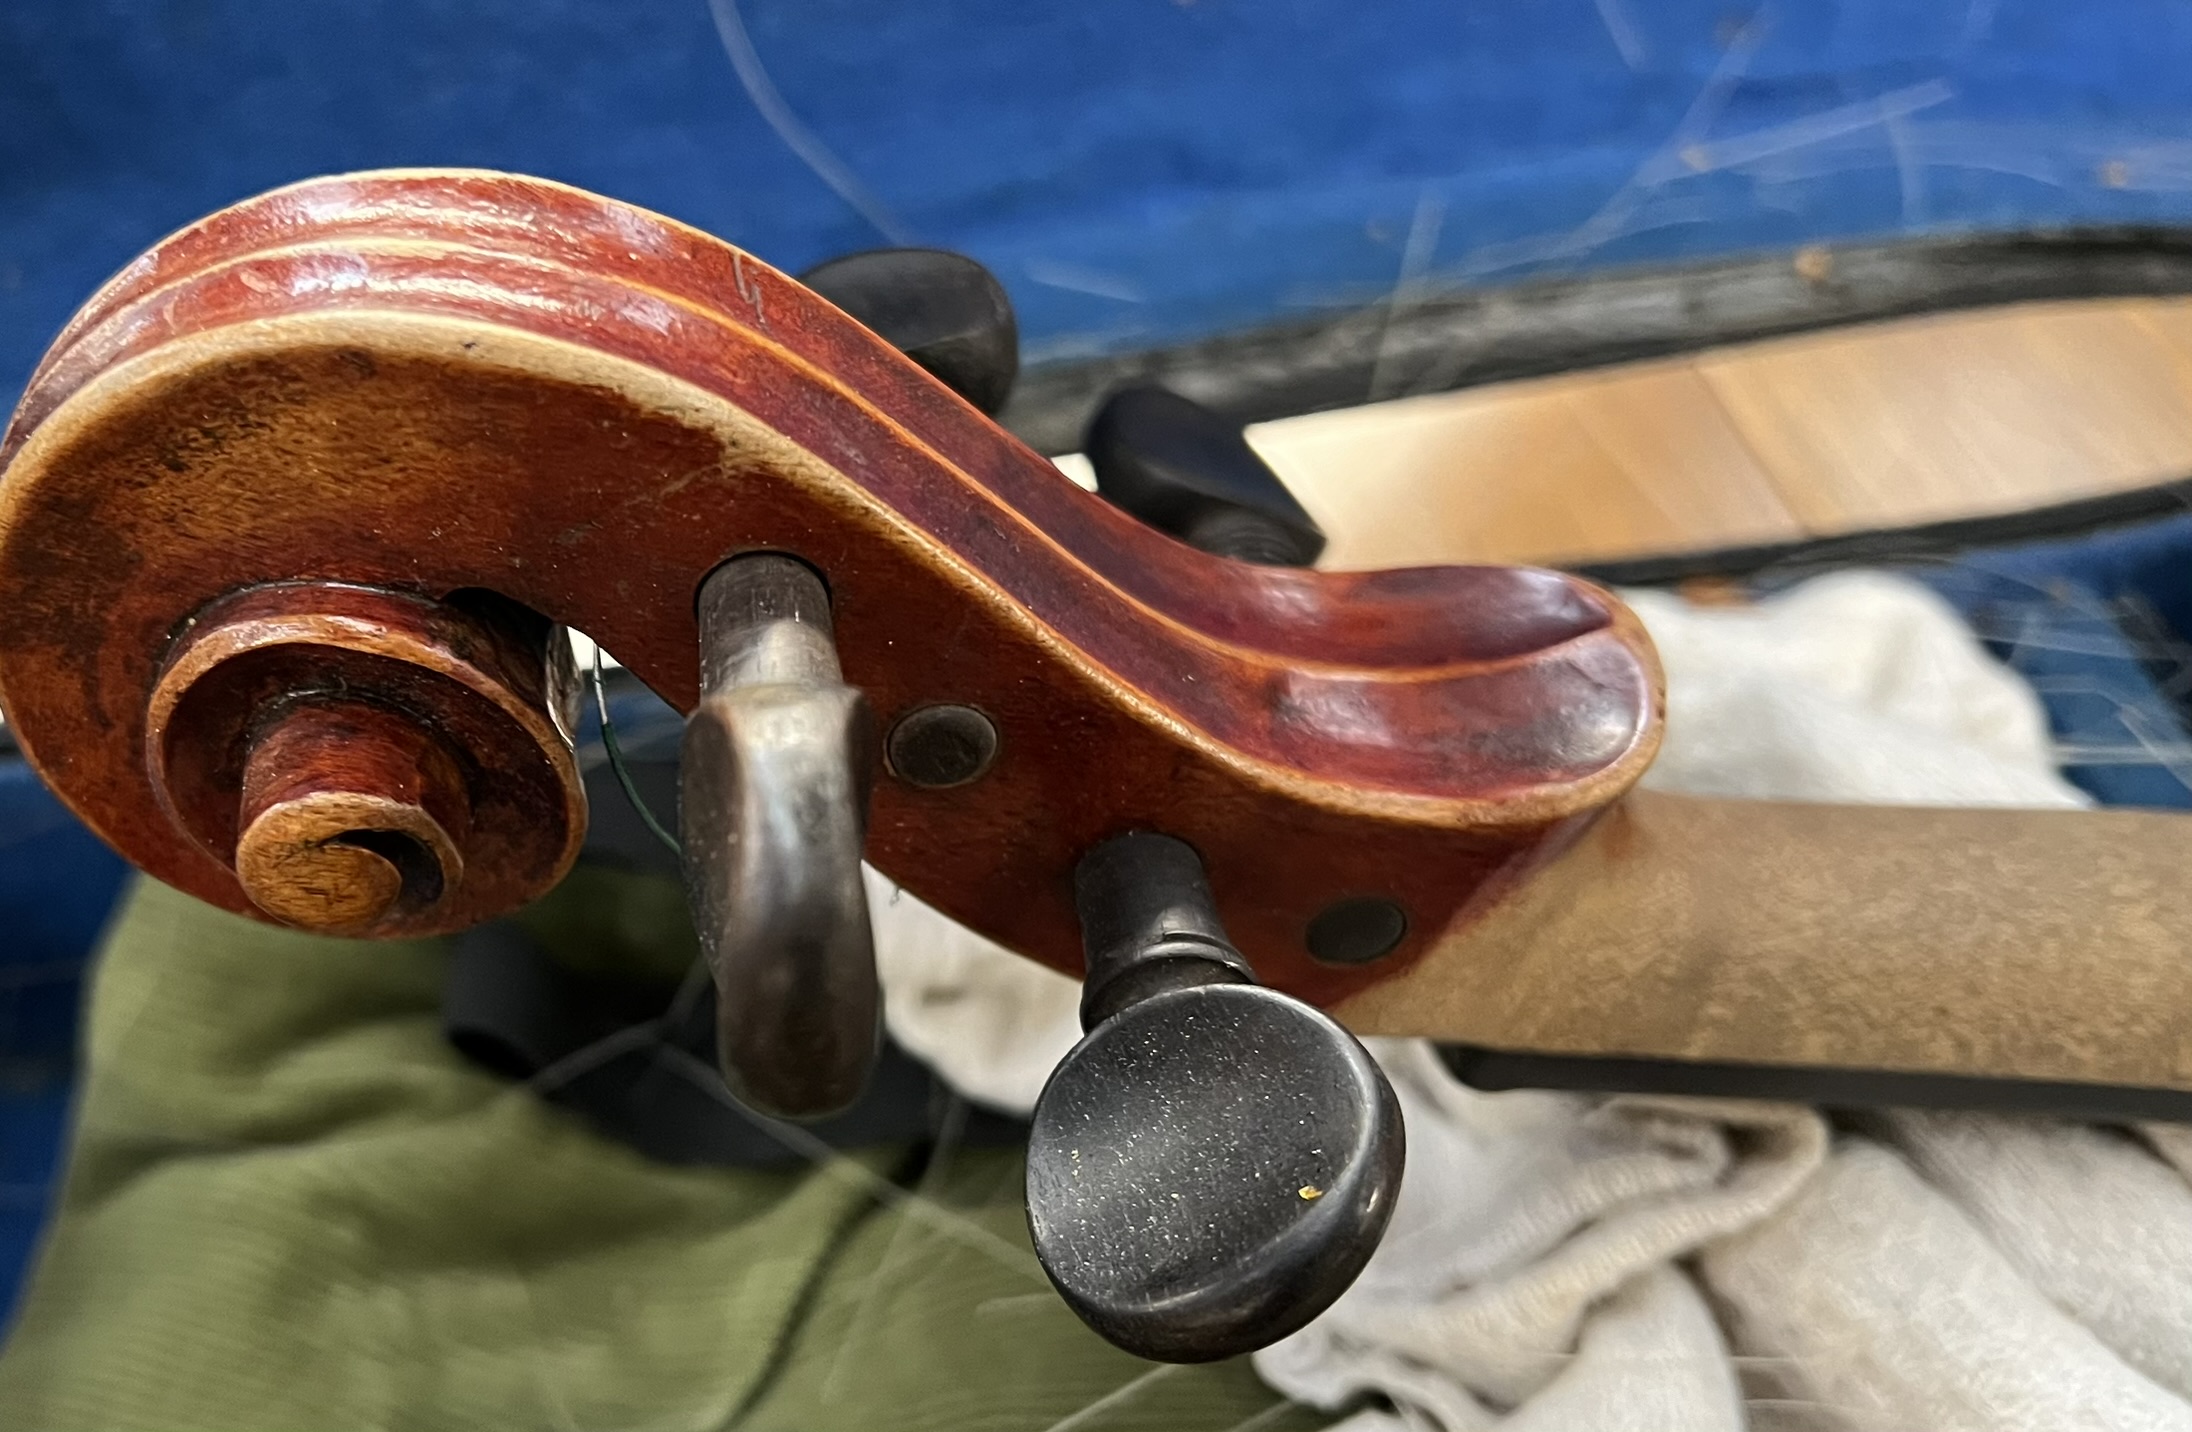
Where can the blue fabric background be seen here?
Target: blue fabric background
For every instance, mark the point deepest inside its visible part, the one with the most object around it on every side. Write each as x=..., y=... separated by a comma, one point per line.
x=2095, y=624
x=57, y=884
x=1135, y=170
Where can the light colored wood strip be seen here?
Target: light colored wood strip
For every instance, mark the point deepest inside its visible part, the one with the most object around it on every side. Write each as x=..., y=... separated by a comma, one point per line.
x=1574, y=468
x=1681, y=452
x=1882, y=425
x=2169, y=319
x=1960, y=415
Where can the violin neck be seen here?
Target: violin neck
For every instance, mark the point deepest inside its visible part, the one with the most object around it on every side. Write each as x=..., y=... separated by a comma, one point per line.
x=2048, y=948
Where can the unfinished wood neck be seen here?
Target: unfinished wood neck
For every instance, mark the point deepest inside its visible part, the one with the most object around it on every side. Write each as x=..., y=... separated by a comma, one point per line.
x=2036, y=945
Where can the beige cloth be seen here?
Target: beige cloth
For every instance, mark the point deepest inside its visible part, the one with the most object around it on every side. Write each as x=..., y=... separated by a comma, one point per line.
x=1633, y=1265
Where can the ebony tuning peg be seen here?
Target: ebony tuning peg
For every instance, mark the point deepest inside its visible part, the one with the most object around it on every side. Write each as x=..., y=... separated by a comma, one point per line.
x=1214, y=1162
x=1190, y=472
x=772, y=808
x=943, y=310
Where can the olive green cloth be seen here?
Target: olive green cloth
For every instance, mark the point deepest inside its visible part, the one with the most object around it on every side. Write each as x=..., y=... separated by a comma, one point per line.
x=291, y=1206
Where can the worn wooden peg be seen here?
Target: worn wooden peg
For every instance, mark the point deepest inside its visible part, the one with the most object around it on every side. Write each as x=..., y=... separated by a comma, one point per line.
x=366, y=762
x=349, y=811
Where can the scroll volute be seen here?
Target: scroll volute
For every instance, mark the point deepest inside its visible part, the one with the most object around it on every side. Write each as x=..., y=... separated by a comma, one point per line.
x=250, y=487
x=370, y=762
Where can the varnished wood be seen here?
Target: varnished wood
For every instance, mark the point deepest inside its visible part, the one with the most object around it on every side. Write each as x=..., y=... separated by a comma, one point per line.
x=1956, y=417
x=432, y=382
x=314, y=737
x=326, y=784
x=1587, y=466
x=1885, y=425
x=2041, y=945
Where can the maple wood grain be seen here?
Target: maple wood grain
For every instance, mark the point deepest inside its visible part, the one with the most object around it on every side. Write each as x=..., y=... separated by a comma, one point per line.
x=293, y=728
x=429, y=382
x=349, y=815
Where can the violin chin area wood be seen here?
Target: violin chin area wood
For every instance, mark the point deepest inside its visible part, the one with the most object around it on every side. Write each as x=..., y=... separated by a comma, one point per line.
x=364, y=762
x=431, y=386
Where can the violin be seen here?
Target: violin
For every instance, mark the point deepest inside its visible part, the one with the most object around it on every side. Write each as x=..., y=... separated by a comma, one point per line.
x=294, y=512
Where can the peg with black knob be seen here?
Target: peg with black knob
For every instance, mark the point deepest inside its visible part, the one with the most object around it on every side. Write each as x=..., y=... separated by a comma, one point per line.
x=1213, y=1164
x=1189, y=472
x=943, y=310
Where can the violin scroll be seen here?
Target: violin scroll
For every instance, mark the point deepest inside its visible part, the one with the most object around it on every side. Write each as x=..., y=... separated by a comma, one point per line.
x=291, y=512
x=370, y=762
x=454, y=390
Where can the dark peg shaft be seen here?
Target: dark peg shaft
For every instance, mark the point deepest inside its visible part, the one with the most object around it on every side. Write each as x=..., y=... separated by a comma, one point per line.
x=943, y=310
x=1214, y=1162
x=772, y=804
x=1190, y=472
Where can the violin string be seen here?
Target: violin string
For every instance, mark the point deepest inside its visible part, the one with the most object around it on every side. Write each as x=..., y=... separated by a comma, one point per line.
x=2020, y=626
x=828, y=1160
x=622, y=772
x=1124, y=1392
x=915, y=1204
x=900, y=1251
x=753, y=77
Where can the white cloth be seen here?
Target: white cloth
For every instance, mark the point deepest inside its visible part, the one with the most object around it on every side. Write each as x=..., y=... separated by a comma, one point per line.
x=1564, y=1262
